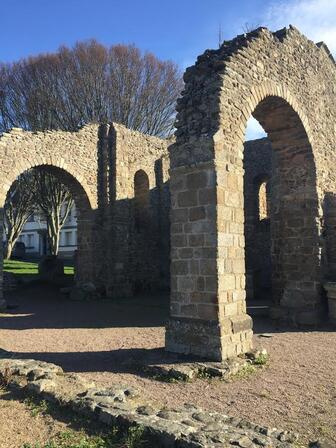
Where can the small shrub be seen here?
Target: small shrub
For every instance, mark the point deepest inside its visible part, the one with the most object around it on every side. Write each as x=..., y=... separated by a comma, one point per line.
x=261, y=360
x=245, y=372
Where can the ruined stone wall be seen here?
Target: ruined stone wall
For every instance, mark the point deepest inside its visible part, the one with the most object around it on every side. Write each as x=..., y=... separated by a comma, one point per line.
x=289, y=85
x=72, y=157
x=140, y=246
x=123, y=247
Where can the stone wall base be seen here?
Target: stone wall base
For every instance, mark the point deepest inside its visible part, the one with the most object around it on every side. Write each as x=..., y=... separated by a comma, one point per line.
x=310, y=316
x=210, y=340
x=119, y=290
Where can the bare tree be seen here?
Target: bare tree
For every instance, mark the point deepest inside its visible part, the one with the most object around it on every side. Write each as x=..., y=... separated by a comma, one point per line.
x=54, y=200
x=19, y=206
x=87, y=83
x=249, y=27
x=90, y=83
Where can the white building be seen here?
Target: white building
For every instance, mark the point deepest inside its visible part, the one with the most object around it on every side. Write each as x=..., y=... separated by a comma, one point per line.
x=34, y=236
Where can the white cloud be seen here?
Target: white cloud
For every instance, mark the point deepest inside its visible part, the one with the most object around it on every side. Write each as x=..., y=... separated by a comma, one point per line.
x=254, y=130
x=314, y=18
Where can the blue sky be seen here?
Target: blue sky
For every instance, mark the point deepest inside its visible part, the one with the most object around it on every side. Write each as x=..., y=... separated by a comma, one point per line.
x=177, y=30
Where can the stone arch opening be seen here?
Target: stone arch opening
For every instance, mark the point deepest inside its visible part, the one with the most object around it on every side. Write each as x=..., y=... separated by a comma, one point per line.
x=293, y=213
x=265, y=75
x=208, y=281
x=262, y=185
x=83, y=263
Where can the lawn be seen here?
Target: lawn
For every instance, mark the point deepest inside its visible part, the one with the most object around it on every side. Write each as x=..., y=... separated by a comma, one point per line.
x=28, y=268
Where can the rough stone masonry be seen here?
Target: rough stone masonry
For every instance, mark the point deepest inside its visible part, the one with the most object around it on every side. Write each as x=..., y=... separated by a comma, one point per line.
x=288, y=84
x=140, y=198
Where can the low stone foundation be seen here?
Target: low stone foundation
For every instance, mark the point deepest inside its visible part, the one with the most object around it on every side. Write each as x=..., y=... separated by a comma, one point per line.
x=210, y=339
x=187, y=427
x=191, y=371
x=176, y=369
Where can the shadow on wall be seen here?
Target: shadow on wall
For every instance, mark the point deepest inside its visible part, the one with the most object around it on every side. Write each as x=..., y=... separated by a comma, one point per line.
x=329, y=237
x=257, y=209
x=139, y=242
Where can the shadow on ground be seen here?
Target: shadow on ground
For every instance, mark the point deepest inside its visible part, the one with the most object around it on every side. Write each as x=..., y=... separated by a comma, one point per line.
x=43, y=307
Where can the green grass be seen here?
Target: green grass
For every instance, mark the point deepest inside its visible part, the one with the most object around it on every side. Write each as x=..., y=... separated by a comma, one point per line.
x=84, y=432
x=69, y=270
x=261, y=360
x=79, y=439
x=18, y=267
x=72, y=439
x=36, y=407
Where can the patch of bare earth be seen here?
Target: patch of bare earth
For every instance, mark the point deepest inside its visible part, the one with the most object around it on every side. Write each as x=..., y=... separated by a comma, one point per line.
x=297, y=391
x=19, y=426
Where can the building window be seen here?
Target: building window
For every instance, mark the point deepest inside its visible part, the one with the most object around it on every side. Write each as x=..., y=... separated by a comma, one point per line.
x=30, y=240
x=67, y=238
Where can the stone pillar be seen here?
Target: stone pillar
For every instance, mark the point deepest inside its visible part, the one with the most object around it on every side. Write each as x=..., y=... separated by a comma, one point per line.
x=208, y=311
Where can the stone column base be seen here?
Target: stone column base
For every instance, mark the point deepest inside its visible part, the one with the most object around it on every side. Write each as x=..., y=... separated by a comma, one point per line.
x=208, y=339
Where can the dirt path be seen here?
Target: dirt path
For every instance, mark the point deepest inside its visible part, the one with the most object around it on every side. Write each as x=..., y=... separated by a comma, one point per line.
x=297, y=391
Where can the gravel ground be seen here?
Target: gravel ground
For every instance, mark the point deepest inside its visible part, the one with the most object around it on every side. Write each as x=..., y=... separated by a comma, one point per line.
x=297, y=391
x=31, y=423
x=22, y=425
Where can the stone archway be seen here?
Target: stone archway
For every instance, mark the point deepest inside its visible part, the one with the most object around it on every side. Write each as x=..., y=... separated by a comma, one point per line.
x=271, y=76
x=295, y=226
x=84, y=267
x=72, y=158
x=100, y=161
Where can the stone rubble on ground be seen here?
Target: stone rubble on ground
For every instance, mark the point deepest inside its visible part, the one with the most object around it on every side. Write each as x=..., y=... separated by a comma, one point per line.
x=186, y=427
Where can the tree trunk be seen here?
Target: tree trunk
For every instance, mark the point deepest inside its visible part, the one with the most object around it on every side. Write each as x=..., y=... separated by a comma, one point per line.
x=11, y=238
x=53, y=235
x=8, y=249
x=55, y=243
